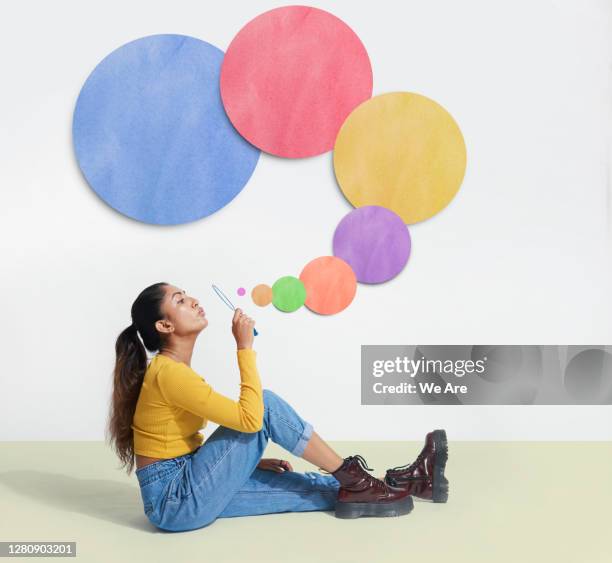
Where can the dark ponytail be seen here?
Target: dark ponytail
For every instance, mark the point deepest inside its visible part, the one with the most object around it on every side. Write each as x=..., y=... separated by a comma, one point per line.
x=130, y=367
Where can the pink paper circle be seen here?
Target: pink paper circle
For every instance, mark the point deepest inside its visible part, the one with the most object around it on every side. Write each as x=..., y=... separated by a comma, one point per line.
x=290, y=78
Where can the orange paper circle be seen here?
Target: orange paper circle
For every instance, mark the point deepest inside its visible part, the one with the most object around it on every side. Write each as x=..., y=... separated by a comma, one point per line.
x=330, y=285
x=262, y=295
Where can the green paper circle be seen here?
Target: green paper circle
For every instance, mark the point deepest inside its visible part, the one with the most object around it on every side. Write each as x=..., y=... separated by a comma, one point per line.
x=288, y=294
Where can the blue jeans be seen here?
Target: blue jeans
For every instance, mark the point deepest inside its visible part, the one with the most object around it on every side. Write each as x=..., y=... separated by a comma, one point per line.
x=220, y=479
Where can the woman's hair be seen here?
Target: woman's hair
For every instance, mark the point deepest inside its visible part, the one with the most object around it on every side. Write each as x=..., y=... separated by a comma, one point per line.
x=130, y=368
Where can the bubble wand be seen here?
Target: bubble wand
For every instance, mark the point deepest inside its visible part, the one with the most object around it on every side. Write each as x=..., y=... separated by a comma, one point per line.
x=225, y=300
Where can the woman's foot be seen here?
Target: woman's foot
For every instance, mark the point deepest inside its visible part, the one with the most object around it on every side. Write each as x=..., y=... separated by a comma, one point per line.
x=424, y=477
x=362, y=494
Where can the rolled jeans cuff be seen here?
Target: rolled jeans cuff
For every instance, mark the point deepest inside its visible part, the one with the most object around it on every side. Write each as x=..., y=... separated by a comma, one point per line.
x=301, y=445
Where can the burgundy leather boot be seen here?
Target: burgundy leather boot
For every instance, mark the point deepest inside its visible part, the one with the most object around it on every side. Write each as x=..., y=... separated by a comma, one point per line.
x=361, y=494
x=424, y=477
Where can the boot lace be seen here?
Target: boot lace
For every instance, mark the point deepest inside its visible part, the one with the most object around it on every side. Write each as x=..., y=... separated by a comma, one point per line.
x=412, y=465
x=360, y=460
x=379, y=485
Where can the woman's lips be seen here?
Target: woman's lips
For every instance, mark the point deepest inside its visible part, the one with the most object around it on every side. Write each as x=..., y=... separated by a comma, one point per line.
x=201, y=312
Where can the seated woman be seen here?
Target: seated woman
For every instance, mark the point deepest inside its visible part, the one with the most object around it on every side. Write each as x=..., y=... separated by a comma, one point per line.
x=160, y=404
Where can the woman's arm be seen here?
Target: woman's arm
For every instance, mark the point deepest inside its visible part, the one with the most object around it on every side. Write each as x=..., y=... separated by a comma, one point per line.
x=181, y=386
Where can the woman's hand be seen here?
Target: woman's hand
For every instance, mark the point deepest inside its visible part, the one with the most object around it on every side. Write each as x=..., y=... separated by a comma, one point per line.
x=271, y=464
x=242, y=329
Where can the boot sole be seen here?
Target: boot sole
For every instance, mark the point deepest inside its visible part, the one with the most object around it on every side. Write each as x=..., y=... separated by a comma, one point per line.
x=440, y=482
x=358, y=509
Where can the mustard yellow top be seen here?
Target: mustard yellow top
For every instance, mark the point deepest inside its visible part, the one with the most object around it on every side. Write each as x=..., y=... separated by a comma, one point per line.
x=175, y=402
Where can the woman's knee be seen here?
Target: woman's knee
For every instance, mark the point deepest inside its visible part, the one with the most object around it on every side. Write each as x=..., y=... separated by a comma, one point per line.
x=270, y=397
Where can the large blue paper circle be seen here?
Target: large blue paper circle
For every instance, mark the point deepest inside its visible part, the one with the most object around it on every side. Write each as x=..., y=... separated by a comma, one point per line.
x=151, y=135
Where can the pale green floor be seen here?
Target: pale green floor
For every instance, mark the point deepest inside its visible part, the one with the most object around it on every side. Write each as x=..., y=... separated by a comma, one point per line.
x=508, y=502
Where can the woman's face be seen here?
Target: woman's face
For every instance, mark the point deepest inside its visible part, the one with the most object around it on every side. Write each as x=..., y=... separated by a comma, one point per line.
x=183, y=311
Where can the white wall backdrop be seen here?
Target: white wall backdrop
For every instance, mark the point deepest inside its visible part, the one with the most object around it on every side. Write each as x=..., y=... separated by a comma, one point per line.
x=521, y=255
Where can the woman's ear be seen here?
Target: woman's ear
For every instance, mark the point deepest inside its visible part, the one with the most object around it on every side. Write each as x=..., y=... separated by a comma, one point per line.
x=164, y=326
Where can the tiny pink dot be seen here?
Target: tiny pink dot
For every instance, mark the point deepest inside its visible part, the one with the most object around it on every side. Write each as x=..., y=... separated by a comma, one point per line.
x=241, y=291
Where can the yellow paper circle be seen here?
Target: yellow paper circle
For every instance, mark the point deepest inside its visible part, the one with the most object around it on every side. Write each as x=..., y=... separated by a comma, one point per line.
x=402, y=151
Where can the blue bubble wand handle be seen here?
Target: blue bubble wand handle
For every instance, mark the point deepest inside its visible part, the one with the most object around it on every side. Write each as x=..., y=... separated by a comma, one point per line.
x=225, y=300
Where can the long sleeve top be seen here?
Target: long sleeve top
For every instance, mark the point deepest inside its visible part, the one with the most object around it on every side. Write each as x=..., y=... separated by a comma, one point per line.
x=175, y=403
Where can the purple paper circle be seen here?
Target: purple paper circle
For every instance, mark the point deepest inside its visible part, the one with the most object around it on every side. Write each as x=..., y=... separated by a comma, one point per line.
x=374, y=241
